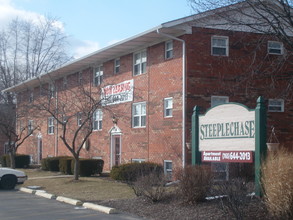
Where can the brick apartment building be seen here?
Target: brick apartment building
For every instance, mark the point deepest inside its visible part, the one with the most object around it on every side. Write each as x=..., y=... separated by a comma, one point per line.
x=166, y=71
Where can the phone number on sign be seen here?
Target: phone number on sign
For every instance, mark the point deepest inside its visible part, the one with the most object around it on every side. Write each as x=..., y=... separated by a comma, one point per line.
x=237, y=156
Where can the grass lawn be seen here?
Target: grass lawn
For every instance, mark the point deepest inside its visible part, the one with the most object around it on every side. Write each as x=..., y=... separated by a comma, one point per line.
x=85, y=189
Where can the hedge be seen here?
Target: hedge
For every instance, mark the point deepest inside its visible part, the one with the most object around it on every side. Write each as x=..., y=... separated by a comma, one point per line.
x=131, y=171
x=51, y=163
x=21, y=160
x=65, y=165
x=88, y=167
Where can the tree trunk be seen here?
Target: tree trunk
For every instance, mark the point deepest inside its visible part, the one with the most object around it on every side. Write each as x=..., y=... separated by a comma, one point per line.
x=12, y=159
x=76, y=168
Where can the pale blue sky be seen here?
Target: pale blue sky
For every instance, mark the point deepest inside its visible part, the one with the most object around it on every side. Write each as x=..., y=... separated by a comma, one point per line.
x=94, y=24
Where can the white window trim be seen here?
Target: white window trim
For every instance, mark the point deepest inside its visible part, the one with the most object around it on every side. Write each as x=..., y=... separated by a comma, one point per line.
x=31, y=97
x=282, y=48
x=51, y=125
x=98, y=74
x=79, y=75
x=226, y=47
x=137, y=160
x=167, y=171
x=99, y=119
x=165, y=107
x=52, y=90
x=30, y=127
x=282, y=105
x=140, y=115
x=116, y=66
x=168, y=50
x=79, y=119
x=140, y=62
x=222, y=97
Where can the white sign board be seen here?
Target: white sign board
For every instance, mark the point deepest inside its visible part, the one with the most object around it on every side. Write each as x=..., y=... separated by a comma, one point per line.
x=227, y=127
x=119, y=93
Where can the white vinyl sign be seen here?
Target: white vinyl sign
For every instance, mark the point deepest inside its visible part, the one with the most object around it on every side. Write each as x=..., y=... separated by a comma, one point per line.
x=119, y=93
x=227, y=127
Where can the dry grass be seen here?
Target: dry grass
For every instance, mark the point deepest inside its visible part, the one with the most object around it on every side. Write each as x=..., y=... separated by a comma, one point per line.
x=278, y=183
x=85, y=189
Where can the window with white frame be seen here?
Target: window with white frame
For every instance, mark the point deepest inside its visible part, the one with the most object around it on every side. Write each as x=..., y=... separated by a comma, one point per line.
x=20, y=126
x=117, y=65
x=98, y=76
x=139, y=115
x=79, y=75
x=168, y=107
x=168, y=170
x=97, y=120
x=52, y=90
x=137, y=160
x=220, y=46
x=276, y=105
x=275, y=47
x=31, y=96
x=79, y=118
x=64, y=82
x=139, y=62
x=30, y=127
x=50, y=125
x=169, y=49
x=218, y=100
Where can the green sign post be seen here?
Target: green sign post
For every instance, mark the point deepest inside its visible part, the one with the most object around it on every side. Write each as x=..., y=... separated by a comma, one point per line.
x=259, y=143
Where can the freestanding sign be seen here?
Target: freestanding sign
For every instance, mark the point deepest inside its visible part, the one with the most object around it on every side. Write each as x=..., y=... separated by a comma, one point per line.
x=230, y=133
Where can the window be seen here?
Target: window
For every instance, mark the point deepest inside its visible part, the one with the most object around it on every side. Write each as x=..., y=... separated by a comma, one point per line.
x=98, y=76
x=30, y=127
x=139, y=115
x=79, y=75
x=21, y=129
x=31, y=97
x=117, y=65
x=218, y=100
x=168, y=169
x=168, y=107
x=220, y=46
x=169, y=49
x=97, y=120
x=137, y=160
x=79, y=118
x=275, y=47
x=64, y=82
x=50, y=125
x=139, y=60
x=276, y=105
x=52, y=91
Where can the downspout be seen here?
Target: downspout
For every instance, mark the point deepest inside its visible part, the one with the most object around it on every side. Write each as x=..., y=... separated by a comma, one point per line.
x=183, y=90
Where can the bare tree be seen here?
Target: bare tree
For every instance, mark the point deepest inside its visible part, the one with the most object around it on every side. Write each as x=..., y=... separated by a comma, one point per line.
x=30, y=48
x=76, y=111
x=271, y=18
x=15, y=137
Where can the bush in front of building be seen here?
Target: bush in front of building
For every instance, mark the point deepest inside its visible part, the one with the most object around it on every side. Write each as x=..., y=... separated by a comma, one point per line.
x=151, y=186
x=51, y=163
x=277, y=181
x=65, y=165
x=194, y=183
x=88, y=167
x=21, y=160
x=130, y=172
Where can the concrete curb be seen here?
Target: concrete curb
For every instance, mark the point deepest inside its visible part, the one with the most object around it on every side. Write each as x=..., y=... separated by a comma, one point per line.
x=45, y=195
x=26, y=190
x=69, y=201
x=100, y=208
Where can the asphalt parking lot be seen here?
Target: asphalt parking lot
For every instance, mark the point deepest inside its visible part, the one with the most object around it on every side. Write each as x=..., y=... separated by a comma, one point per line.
x=16, y=205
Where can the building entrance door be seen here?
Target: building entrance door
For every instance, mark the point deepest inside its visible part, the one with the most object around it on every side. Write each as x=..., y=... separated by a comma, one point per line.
x=115, y=148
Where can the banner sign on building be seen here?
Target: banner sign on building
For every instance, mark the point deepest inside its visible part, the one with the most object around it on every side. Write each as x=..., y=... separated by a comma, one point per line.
x=119, y=93
x=227, y=156
x=227, y=127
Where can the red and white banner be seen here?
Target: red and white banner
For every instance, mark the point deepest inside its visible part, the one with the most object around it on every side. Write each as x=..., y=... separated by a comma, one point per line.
x=227, y=156
x=119, y=93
